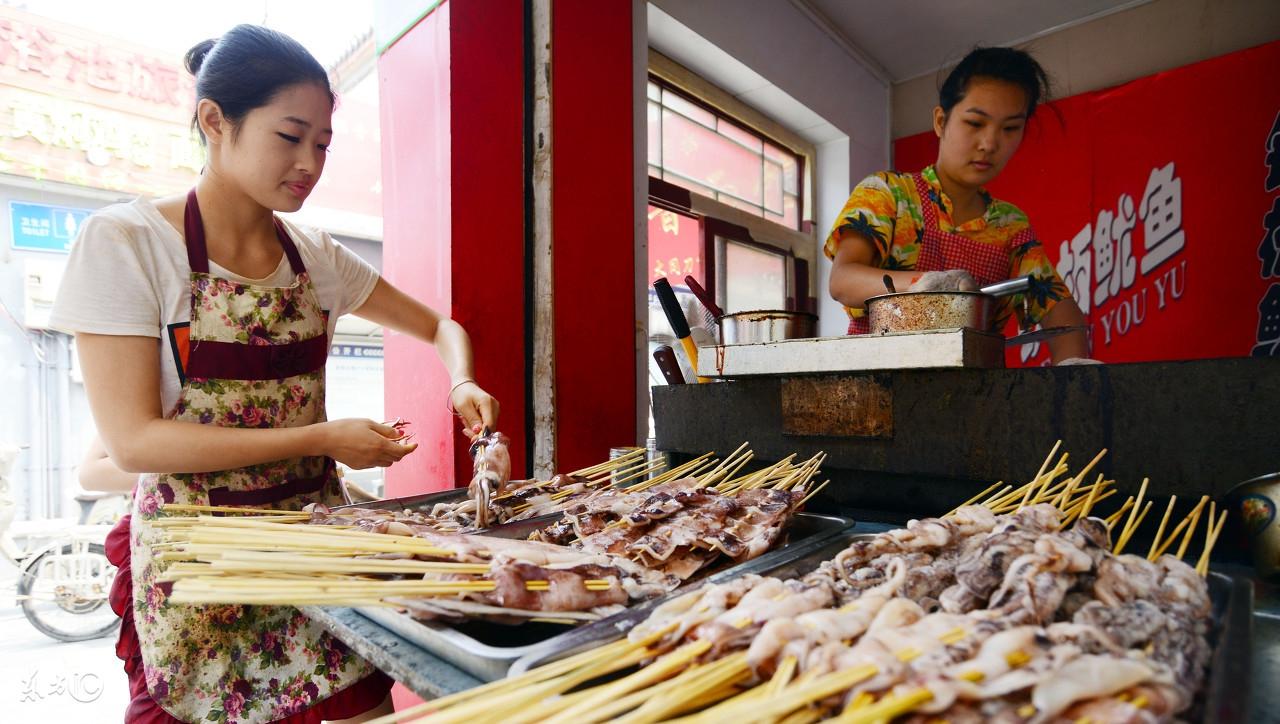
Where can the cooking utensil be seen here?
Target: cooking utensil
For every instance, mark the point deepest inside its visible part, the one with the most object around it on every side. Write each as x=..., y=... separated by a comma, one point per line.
x=667, y=363
x=888, y=284
x=915, y=311
x=1255, y=500
x=710, y=310
x=704, y=296
x=765, y=325
x=1041, y=335
x=675, y=317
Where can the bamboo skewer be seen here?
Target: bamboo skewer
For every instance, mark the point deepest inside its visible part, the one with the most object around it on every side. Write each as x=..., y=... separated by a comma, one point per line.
x=1040, y=472
x=1155, y=543
x=975, y=498
x=1195, y=518
x=1202, y=566
x=1114, y=518
x=1128, y=533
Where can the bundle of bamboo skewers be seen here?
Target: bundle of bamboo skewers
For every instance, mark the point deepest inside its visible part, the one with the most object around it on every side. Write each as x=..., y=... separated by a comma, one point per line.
x=265, y=557
x=680, y=685
x=1076, y=500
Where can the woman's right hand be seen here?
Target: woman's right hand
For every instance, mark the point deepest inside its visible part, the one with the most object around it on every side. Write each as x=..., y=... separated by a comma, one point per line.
x=952, y=280
x=359, y=443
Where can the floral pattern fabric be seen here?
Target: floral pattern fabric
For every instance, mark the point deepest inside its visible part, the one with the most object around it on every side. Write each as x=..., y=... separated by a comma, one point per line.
x=886, y=208
x=239, y=663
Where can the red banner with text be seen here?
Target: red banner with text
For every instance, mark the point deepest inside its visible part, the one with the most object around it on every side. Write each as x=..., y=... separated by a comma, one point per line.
x=1159, y=202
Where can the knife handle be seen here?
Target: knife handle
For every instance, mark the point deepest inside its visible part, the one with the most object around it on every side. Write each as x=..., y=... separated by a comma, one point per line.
x=671, y=307
x=667, y=363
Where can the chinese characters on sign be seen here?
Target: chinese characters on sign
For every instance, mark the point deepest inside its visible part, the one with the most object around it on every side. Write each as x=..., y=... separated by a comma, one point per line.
x=45, y=54
x=1267, y=342
x=1099, y=267
x=77, y=109
x=675, y=247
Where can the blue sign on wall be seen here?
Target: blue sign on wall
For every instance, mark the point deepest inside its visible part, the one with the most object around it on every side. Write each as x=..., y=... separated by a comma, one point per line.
x=40, y=227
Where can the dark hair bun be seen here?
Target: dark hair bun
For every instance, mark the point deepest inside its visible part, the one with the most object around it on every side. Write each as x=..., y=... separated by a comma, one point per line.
x=195, y=56
x=247, y=66
x=1006, y=64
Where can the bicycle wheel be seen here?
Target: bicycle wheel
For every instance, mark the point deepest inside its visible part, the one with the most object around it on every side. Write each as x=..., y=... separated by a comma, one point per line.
x=64, y=593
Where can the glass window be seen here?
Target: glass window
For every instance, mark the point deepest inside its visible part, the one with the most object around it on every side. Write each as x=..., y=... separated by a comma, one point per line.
x=753, y=278
x=716, y=157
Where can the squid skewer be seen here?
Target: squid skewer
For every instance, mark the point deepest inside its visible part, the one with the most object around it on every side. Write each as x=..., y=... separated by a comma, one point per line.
x=492, y=471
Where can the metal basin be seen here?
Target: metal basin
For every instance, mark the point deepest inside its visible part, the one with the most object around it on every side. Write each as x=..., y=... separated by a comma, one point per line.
x=916, y=311
x=765, y=325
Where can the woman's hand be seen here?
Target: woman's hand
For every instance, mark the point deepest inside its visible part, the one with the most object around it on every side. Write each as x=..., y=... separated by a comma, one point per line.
x=476, y=407
x=359, y=443
x=952, y=280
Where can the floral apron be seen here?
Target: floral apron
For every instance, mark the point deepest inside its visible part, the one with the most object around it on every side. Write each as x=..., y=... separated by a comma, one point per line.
x=256, y=359
x=944, y=250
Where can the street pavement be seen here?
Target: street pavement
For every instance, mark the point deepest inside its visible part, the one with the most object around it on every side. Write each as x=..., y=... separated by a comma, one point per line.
x=48, y=681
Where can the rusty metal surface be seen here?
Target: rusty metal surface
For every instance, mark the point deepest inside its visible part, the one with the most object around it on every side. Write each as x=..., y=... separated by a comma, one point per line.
x=838, y=407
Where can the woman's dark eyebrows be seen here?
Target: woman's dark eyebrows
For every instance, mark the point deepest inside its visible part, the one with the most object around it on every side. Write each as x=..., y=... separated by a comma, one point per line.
x=979, y=111
x=305, y=124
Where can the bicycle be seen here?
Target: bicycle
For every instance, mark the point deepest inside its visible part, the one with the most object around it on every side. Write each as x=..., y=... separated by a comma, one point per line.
x=64, y=577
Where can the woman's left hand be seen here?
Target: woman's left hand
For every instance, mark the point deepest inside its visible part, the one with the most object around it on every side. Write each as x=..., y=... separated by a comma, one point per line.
x=477, y=408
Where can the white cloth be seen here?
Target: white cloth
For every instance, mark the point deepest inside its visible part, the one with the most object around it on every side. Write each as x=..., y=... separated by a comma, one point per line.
x=128, y=275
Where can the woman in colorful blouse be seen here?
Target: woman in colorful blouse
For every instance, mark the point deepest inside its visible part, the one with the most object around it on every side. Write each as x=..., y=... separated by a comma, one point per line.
x=939, y=229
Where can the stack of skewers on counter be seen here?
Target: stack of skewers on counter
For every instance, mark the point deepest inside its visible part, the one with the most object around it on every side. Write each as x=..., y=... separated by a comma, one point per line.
x=1021, y=605
x=621, y=539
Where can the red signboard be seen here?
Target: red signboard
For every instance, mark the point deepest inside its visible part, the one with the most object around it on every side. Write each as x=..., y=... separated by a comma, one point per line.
x=675, y=247
x=1157, y=201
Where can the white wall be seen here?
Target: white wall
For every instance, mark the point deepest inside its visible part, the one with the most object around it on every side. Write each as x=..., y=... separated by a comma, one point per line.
x=1118, y=48
x=773, y=57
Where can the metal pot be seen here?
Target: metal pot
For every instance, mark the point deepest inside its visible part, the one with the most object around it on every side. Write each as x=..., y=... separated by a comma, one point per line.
x=916, y=311
x=765, y=325
x=1255, y=501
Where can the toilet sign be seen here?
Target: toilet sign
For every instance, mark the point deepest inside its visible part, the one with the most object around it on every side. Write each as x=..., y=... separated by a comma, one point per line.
x=40, y=227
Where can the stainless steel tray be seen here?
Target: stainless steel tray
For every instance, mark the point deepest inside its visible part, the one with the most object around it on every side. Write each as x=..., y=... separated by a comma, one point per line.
x=1224, y=698
x=411, y=502
x=487, y=650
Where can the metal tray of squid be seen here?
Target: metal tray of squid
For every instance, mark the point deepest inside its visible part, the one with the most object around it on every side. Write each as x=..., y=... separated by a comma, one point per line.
x=487, y=650
x=1223, y=699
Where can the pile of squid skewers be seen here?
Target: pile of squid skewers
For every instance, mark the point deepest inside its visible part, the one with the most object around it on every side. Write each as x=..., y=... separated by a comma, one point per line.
x=1015, y=607
x=361, y=556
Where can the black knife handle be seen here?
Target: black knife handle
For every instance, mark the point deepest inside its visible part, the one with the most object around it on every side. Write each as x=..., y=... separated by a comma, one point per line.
x=671, y=306
x=670, y=366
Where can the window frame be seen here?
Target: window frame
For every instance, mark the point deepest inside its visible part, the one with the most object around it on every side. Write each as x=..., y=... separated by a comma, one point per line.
x=802, y=161
x=798, y=246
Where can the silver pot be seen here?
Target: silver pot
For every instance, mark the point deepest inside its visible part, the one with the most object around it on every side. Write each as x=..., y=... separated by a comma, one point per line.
x=765, y=325
x=916, y=311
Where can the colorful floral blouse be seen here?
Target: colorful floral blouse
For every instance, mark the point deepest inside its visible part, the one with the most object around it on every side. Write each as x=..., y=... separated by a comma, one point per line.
x=885, y=208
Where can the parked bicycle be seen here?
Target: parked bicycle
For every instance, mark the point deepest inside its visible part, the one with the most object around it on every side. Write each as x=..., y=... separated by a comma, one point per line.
x=64, y=576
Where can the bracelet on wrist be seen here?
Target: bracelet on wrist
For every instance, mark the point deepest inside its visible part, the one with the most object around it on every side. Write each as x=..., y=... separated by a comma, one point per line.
x=449, y=397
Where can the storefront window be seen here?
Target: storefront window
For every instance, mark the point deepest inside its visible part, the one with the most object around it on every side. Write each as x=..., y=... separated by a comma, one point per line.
x=754, y=278
x=711, y=155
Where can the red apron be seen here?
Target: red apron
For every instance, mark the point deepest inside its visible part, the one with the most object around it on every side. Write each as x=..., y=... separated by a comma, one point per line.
x=945, y=250
x=256, y=360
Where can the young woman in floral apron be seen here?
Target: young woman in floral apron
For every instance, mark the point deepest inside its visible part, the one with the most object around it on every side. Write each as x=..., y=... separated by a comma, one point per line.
x=939, y=230
x=247, y=425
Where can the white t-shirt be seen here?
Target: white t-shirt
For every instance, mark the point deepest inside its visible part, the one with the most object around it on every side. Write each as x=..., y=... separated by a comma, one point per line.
x=128, y=275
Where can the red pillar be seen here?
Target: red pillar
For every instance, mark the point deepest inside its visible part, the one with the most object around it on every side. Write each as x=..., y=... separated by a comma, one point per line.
x=593, y=227
x=452, y=140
